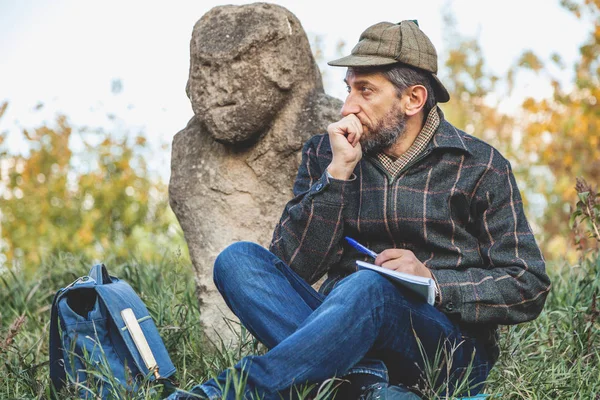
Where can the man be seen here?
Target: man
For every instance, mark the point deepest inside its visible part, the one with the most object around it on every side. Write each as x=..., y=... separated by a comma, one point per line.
x=431, y=200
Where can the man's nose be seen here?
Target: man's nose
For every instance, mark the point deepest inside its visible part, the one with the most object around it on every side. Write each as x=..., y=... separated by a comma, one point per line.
x=350, y=106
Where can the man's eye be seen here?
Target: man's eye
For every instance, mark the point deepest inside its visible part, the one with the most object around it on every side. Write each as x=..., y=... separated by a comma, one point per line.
x=348, y=89
x=365, y=89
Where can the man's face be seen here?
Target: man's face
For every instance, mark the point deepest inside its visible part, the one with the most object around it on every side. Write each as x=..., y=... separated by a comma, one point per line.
x=374, y=100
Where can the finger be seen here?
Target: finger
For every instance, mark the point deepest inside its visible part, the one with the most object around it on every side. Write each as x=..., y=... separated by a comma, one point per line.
x=352, y=117
x=350, y=127
x=388, y=254
x=392, y=264
x=357, y=137
x=355, y=121
x=358, y=125
x=351, y=137
x=342, y=127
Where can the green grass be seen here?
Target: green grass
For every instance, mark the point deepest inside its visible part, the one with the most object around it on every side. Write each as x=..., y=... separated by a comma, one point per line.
x=557, y=356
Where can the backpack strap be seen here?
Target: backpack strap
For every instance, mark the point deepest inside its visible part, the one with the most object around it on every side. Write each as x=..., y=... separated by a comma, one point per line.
x=57, y=367
x=100, y=274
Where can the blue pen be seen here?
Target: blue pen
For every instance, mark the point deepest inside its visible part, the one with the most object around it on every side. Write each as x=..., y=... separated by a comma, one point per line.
x=360, y=247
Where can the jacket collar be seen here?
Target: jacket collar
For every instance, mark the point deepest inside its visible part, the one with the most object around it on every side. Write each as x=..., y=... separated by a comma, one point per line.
x=448, y=137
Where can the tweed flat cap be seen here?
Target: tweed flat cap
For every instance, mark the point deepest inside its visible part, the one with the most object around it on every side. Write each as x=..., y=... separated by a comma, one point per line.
x=386, y=43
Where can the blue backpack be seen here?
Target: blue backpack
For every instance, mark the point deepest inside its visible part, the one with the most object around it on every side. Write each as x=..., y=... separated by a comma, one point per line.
x=99, y=327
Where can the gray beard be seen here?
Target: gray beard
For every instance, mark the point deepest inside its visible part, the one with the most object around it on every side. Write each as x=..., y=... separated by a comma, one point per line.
x=385, y=134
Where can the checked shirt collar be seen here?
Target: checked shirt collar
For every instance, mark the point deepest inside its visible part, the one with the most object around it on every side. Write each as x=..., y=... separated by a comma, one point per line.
x=446, y=137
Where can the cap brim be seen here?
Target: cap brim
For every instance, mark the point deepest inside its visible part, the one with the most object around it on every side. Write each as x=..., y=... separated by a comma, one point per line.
x=361, y=61
x=441, y=94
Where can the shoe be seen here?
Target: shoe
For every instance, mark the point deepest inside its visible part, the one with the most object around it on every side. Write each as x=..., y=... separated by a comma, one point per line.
x=354, y=385
x=385, y=391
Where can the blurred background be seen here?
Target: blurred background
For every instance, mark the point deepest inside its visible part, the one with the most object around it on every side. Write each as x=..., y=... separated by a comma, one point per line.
x=91, y=94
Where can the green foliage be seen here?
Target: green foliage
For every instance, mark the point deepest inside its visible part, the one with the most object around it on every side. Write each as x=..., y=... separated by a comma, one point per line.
x=550, y=140
x=562, y=133
x=587, y=211
x=531, y=61
x=54, y=199
x=555, y=356
x=436, y=374
x=62, y=206
x=165, y=284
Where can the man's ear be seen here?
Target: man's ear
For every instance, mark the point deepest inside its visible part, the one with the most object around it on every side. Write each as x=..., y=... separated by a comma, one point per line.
x=415, y=99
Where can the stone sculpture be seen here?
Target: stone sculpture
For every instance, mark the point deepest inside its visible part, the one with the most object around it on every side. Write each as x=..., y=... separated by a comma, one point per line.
x=257, y=96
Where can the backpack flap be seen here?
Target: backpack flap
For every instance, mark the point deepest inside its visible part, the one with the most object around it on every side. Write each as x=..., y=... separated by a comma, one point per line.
x=99, y=273
x=118, y=296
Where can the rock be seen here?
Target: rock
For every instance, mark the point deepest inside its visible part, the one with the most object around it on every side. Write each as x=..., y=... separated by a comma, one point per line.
x=257, y=96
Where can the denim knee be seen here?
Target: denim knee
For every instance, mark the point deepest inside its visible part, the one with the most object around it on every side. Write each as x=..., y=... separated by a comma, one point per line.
x=237, y=261
x=367, y=280
x=363, y=285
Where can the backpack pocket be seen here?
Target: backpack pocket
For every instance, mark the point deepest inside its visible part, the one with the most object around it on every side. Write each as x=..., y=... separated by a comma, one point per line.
x=90, y=344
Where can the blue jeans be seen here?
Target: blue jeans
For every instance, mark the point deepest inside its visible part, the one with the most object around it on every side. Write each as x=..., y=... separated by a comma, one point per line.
x=365, y=324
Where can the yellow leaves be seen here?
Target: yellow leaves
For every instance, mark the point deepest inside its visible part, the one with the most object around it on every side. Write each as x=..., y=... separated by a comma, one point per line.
x=85, y=235
x=140, y=140
x=529, y=104
x=123, y=165
x=564, y=188
x=534, y=131
x=559, y=246
x=3, y=108
x=568, y=160
x=557, y=60
x=456, y=59
x=594, y=141
x=29, y=136
x=559, y=134
x=81, y=207
x=530, y=61
x=572, y=6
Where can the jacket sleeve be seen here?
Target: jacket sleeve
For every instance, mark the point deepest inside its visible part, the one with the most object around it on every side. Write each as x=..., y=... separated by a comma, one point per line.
x=308, y=235
x=512, y=285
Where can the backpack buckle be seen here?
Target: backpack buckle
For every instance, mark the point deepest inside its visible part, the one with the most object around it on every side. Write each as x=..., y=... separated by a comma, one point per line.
x=82, y=279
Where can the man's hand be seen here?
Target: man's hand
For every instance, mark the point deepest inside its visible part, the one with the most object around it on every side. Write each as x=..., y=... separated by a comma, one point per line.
x=404, y=261
x=344, y=137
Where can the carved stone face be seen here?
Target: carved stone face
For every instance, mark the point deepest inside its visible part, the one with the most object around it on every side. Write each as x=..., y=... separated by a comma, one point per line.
x=236, y=98
x=245, y=63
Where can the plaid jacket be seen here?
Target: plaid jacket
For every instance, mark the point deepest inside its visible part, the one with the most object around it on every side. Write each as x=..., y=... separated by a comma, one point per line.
x=456, y=206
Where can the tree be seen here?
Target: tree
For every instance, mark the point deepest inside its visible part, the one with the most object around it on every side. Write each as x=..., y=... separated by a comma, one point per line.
x=97, y=200
x=551, y=141
x=562, y=133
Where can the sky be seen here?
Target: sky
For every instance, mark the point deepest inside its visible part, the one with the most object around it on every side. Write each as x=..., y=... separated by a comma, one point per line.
x=68, y=56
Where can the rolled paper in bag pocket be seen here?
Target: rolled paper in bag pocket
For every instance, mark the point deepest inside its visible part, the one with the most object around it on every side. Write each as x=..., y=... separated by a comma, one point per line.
x=140, y=341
